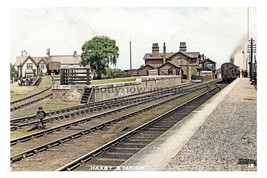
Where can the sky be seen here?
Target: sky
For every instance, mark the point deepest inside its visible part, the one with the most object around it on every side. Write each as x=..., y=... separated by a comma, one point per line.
x=214, y=31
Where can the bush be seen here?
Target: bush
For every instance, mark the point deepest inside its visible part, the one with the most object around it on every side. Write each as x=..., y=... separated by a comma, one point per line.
x=114, y=73
x=13, y=72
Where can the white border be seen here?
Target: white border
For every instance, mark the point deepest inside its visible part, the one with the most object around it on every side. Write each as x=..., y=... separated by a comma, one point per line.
x=5, y=50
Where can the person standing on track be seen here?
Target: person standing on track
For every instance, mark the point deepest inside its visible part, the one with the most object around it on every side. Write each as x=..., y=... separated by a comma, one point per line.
x=41, y=115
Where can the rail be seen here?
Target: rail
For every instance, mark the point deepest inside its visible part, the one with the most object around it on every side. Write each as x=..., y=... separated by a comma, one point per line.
x=64, y=126
x=80, y=133
x=100, y=103
x=35, y=94
x=85, y=158
x=31, y=96
x=78, y=111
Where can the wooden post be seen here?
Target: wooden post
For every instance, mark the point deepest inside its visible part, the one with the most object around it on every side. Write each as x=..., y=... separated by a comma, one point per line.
x=62, y=73
x=130, y=56
x=87, y=77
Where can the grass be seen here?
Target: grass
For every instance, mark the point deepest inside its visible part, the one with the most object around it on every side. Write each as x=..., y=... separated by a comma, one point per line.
x=47, y=104
x=113, y=80
x=18, y=92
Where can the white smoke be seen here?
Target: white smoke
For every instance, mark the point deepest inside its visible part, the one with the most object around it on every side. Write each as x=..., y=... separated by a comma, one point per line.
x=239, y=47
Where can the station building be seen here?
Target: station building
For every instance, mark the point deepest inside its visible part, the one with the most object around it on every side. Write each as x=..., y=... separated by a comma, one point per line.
x=29, y=66
x=181, y=62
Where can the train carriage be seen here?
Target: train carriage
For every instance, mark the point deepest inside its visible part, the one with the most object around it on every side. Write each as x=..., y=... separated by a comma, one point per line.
x=229, y=72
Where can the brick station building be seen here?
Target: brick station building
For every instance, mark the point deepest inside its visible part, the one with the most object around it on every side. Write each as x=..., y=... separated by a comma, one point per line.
x=169, y=63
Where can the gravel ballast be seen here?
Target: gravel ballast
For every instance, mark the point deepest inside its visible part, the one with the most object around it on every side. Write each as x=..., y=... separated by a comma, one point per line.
x=227, y=141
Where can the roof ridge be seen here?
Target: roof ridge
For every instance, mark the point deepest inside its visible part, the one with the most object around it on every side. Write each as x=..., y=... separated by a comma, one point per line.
x=64, y=55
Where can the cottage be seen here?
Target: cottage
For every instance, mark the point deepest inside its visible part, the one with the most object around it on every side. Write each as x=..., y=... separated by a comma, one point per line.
x=29, y=66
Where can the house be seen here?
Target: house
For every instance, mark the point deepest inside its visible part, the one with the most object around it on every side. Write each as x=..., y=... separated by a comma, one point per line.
x=156, y=58
x=209, y=65
x=169, y=69
x=29, y=66
x=147, y=70
x=187, y=62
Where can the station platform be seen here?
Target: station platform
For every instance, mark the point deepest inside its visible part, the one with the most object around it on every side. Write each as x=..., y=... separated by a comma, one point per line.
x=220, y=135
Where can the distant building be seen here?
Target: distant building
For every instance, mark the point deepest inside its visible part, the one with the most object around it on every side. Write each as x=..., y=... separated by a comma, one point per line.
x=208, y=66
x=187, y=61
x=29, y=66
x=156, y=59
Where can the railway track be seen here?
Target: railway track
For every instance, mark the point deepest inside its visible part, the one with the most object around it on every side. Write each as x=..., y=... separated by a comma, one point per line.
x=81, y=133
x=97, y=105
x=117, y=151
x=85, y=109
x=97, y=117
x=80, y=121
x=15, y=105
x=74, y=132
x=79, y=110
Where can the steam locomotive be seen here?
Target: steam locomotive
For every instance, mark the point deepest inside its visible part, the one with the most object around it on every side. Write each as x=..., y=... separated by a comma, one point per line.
x=229, y=72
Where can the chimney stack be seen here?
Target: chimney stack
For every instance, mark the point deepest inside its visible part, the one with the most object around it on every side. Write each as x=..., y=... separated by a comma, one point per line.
x=48, y=52
x=74, y=53
x=155, y=50
x=183, y=46
x=164, y=53
x=23, y=53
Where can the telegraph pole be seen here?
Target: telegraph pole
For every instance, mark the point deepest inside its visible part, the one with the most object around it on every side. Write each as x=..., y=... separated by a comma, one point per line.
x=248, y=23
x=247, y=36
x=130, y=56
x=251, y=50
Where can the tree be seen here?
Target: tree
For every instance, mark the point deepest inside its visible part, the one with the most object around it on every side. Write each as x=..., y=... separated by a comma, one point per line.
x=115, y=73
x=13, y=71
x=99, y=53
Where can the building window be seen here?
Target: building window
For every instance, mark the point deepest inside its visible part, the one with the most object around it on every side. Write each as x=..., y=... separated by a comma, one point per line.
x=42, y=65
x=29, y=65
x=210, y=65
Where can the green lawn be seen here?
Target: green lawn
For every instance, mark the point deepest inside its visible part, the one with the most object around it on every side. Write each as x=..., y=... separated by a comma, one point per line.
x=18, y=92
x=113, y=80
x=48, y=105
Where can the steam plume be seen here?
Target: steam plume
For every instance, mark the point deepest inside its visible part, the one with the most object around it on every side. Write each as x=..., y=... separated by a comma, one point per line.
x=238, y=48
